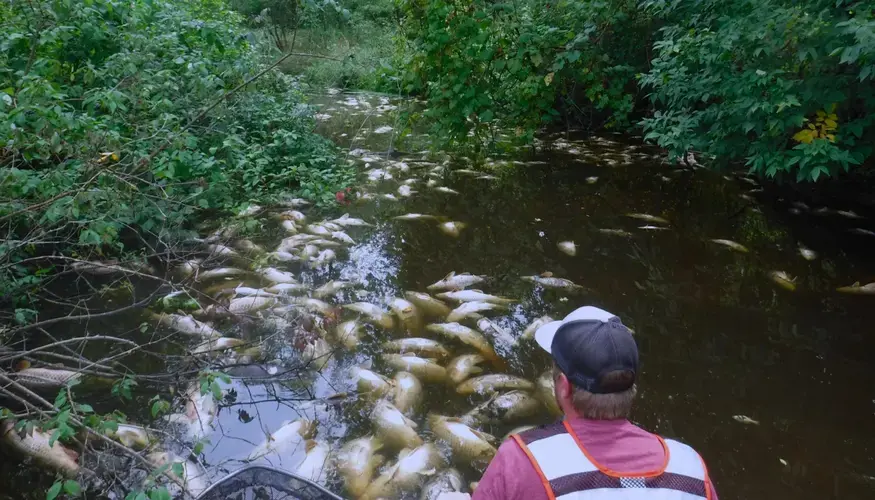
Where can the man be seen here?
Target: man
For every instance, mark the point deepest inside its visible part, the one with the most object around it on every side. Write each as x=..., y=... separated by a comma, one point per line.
x=595, y=452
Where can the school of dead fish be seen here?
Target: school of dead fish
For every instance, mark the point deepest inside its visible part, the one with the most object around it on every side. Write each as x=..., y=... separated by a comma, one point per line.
x=442, y=338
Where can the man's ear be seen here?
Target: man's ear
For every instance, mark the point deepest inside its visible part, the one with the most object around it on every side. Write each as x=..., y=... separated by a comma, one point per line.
x=563, y=386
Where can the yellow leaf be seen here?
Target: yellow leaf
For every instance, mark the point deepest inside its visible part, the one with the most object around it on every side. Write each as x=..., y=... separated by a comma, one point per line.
x=833, y=116
x=830, y=124
x=548, y=79
x=811, y=126
x=820, y=113
x=115, y=157
x=804, y=136
x=831, y=137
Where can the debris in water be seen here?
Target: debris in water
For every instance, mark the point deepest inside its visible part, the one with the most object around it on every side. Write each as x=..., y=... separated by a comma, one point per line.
x=592, y=180
x=807, y=253
x=452, y=228
x=738, y=247
x=783, y=280
x=567, y=247
x=616, y=232
x=745, y=420
x=385, y=129
x=857, y=289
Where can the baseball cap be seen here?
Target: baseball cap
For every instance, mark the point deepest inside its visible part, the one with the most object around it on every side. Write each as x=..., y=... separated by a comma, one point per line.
x=588, y=344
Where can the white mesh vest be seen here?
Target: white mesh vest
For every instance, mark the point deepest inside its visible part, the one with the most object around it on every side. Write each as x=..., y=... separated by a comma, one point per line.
x=569, y=474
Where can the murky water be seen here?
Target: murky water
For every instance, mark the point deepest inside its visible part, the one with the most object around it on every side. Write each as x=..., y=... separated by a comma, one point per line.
x=718, y=337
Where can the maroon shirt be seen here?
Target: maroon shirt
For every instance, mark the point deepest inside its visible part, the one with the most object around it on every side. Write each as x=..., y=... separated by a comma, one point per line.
x=616, y=444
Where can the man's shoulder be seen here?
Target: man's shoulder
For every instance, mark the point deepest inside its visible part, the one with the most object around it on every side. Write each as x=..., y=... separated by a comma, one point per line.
x=542, y=432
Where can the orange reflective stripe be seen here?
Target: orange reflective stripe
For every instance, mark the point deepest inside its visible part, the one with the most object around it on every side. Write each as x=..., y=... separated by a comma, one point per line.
x=544, y=480
x=708, y=493
x=613, y=473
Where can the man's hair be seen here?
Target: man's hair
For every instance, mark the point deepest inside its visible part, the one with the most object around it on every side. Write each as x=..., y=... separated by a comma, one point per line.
x=611, y=406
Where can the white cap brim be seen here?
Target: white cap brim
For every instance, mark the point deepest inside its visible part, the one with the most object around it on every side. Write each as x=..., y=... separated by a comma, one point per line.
x=544, y=335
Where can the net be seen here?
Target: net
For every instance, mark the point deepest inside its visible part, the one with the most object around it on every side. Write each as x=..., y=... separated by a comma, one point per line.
x=265, y=483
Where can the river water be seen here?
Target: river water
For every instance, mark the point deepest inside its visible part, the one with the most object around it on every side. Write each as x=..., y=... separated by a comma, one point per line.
x=718, y=338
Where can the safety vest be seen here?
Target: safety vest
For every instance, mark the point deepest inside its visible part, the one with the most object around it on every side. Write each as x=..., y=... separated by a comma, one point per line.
x=570, y=473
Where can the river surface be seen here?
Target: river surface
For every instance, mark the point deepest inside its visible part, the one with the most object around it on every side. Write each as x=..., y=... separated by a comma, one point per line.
x=719, y=339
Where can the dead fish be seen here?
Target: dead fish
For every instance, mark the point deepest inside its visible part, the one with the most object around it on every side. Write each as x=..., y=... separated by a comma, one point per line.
x=517, y=430
x=331, y=288
x=325, y=257
x=288, y=289
x=406, y=393
x=472, y=310
x=425, y=348
x=248, y=247
x=455, y=281
x=56, y=456
x=194, y=476
x=349, y=334
x=452, y=228
x=429, y=305
x=444, y=189
x=294, y=203
x=293, y=215
x=567, y=247
x=289, y=437
x=433, y=183
x=409, y=317
x=217, y=250
x=385, y=129
x=246, y=305
x=405, y=190
x=446, y=481
x=738, y=247
x=315, y=305
x=216, y=345
x=316, y=354
x=411, y=181
x=316, y=464
x=411, y=470
x=44, y=378
x=425, y=370
x=546, y=390
x=414, y=217
x=341, y=236
x=862, y=232
x=358, y=461
x=221, y=272
x=281, y=256
x=389, y=196
x=132, y=436
x=464, y=366
x=487, y=177
x=616, y=232
x=648, y=218
x=652, y=228
x=783, y=280
x=466, y=171
x=856, y=288
x=469, y=337
x=393, y=428
x=592, y=180
x=187, y=325
x=467, y=444
x=552, y=282
x=318, y=230
x=248, y=291
x=474, y=296
x=346, y=221
x=502, y=409
x=289, y=226
x=370, y=383
x=529, y=332
x=292, y=242
x=187, y=268
x=373, y=314
x=850, y=214
x=807, y=253
x=275, y=275
x=745, y=420
x=486, y=384
x=499, y=335
x=99, y=268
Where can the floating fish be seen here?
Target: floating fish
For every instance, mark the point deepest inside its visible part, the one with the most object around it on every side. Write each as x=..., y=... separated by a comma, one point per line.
x=393, y=428
x=406, y=393
x=466, y=171
x=290, y=436
x=856, y=288
x=552, y=282
x=349, y=334
x=616, y=232
x=807, y=253
x=288, y=289
x=194, y=476
x=546, y=391
x=433, y=183
x=275, y=275
x=738, y=247
x=425, y=370
x=295, y=203
x=187, y=325
x=370, y=383
x=444, y=189
x=469, y=337
x=503, y=409
x=455, y=281
x=357, y=462
x=425, y=348
x=452, y=228
x=414, y=217
x=745, y=420
x=648, y=218
x=331, y=288
x=316, y=464
x=468, y=445
x=862, y=232
x=373, y=314
x=247, y=291
x=385, y=129
x=850, y=214
x=221, y=272
x=248, y=247
x=341, y=236
x=487, y=177
x=429, y=305
x=446, y=481
x=474, y=296
x=652, y=228
x=592, y=180
x=132, y=436
x=464, y=366
x=389, y=196
x=216, y=344
x=316, y=354
x=346, y=221
x=567, y=247
x=325, y=257
x=783, y=280
x=411, y=470
x=499, y=335
x=246, y=305
x=56, y=456
x=289, y=226
x=218, y=250
x=472, y=310
x=408, y=316
x=405, y=191
x=44, y=378
x=486, y=384
x=529, y=332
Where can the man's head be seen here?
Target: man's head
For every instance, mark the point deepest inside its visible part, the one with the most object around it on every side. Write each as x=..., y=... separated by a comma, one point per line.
x=595, y=363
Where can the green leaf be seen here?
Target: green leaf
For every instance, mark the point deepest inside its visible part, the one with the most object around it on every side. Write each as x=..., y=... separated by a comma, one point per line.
x=178, y=469
x=72, y=487
x=54, y=491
